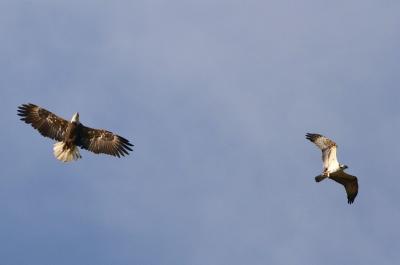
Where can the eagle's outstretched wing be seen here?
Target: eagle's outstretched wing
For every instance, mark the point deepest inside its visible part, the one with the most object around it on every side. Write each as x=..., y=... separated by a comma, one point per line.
x=327, y=146
x=47, y=123
x=349, y=182
x=102, y=141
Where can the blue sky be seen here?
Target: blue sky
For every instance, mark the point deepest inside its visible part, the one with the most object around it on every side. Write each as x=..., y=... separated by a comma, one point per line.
x=217, y=97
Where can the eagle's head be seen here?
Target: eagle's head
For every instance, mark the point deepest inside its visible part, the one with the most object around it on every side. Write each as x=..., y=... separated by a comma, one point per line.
x=75, y=118
x=343, y=167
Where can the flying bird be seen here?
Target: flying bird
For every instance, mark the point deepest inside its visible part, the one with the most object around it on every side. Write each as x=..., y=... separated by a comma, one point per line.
x=73, y=134
x=332, y=168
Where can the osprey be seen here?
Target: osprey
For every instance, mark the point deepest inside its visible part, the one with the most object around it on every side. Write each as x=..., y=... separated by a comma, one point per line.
x=332, y=168
x=70, y=135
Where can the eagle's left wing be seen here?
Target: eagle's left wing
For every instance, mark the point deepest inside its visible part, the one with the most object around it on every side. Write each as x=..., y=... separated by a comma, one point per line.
x=46, y=122
x=349, y=182
x=102, y=141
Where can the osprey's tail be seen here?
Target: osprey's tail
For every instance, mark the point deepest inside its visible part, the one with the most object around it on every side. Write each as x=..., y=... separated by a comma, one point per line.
x=65, y=154
x=320, y=178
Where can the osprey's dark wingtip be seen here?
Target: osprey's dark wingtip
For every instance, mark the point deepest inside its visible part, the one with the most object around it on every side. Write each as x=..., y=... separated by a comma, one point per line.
x=320, y=178
x=312, y=136
x=350, y=200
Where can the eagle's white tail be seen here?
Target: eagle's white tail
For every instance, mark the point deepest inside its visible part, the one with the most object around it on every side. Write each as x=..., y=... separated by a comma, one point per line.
x=66, y=154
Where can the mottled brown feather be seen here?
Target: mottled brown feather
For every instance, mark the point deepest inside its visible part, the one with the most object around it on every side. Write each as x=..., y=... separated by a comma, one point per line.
x=47, y=123
x=321, y=141
x=102, y=141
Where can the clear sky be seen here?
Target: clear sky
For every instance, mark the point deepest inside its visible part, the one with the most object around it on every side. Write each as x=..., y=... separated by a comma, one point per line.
x=217, y=97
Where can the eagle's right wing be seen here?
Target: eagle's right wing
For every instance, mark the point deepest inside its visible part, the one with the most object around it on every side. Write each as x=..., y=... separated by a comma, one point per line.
x=47, y=123
x=327, y=146
x=105, y=142
x=349, y=182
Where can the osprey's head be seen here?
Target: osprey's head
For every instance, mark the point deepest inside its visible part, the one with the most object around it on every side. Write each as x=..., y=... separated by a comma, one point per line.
x=343, y=167
x=75, y=118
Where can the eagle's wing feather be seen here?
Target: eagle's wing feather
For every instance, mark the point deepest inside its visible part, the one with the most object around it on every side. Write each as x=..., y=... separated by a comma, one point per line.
x=349, y=182
x=102, y=141
x=47, y=123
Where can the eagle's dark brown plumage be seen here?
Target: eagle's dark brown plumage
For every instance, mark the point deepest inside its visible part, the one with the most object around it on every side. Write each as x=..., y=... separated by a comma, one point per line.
x=72, y=134
x=47, y=123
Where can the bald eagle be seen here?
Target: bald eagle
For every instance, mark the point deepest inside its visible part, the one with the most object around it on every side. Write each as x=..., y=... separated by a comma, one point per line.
x=70, y=135
x=331, y=167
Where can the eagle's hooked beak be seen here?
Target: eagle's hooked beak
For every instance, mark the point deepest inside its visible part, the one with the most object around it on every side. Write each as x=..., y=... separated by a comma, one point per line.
x=75, y=118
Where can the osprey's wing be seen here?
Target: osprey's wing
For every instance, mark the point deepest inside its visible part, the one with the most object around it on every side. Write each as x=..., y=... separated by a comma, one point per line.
x=105, y=142
x=349, y=182
x=47, y=123
x=321, y=141
x=327, y=146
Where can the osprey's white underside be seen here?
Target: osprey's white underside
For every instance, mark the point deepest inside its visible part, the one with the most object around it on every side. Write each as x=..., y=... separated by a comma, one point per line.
x=329, y=159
